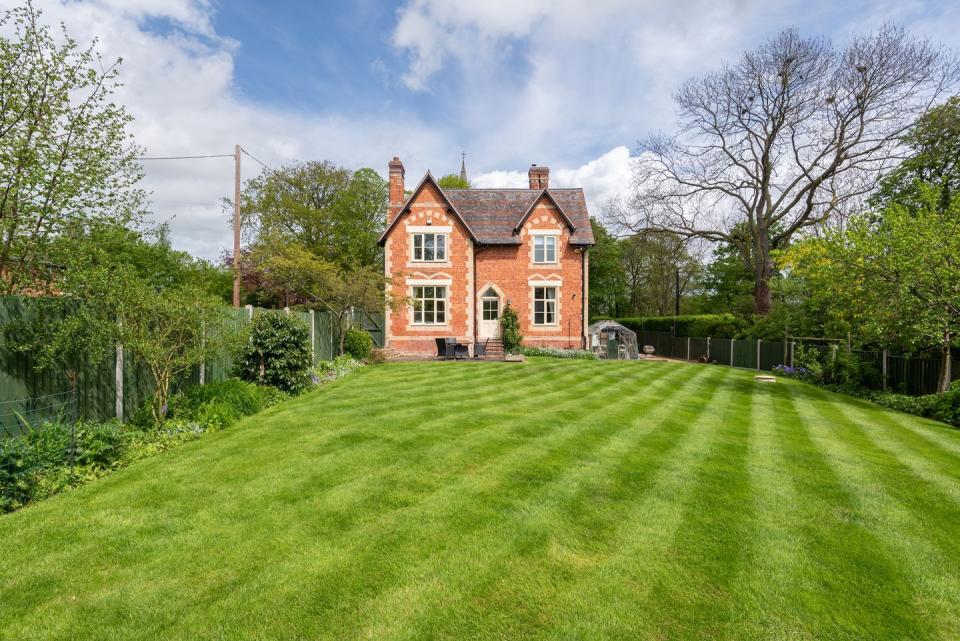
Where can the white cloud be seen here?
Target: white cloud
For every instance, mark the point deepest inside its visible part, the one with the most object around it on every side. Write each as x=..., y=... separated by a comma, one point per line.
x=180, y=88
x=609, y=176
x=562, y=83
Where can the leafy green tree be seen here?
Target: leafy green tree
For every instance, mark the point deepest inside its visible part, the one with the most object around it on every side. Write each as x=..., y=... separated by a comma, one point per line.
x=65, y=154
x=333, y=213
x=893, y=276
x=116, y=286
x=651, y=262
x=64, y=333
x=453, y=181
x=934, y=163
x=607, y=280
x=170, y=329
x=325, y=285
x=727, y=283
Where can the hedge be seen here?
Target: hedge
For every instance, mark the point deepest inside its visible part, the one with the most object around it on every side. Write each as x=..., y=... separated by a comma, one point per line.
x=694, y=325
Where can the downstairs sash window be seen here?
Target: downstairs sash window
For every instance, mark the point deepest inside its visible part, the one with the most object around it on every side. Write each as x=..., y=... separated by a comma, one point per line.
x=429, y=305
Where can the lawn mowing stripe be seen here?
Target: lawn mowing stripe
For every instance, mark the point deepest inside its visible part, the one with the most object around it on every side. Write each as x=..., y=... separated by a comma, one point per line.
x=473, y=450
x=907, y=509
x=613, y=373
x=642, y=504
x=940, y=495
x=768, y=586
x=492, y=491
x=929, y=460
x=713, y=540
x=939, y=435
x=690, y=592
x=540, y=519
x=887, y=440
x=851, y=564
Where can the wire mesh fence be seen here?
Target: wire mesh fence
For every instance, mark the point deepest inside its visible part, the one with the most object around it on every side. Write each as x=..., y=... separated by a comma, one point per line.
x=120, y=384
x=900, y=373
x=21, y=415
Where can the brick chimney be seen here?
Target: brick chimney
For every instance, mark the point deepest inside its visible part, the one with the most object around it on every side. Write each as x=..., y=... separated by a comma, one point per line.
x=539, y=177
x=396, y=188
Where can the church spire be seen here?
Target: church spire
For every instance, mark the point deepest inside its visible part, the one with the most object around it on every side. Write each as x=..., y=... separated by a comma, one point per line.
x=463, y=166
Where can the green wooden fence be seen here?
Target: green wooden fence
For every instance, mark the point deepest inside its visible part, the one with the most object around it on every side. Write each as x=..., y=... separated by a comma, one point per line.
x=909, y=374
x=31, y=396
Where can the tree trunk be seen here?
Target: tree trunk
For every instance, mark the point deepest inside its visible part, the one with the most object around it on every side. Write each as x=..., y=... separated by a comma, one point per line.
x=943, y=384
x=762, y=273
x=762, y=295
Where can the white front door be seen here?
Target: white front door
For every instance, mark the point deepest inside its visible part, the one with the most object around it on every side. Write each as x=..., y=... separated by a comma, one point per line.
x=489, y=314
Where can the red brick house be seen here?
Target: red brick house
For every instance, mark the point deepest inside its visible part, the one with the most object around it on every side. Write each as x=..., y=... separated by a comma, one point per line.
x=460, y=255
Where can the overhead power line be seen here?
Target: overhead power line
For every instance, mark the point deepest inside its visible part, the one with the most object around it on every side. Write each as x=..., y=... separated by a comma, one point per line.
x=184, y=157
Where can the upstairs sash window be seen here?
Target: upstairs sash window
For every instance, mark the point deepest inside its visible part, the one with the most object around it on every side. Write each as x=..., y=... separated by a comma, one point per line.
x=430, y=247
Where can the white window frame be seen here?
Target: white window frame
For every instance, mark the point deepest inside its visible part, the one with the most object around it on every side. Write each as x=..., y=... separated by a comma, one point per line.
x=548, y=246
x=484, y=310
x=421, y=235
x=548, y=303
x=439, y=300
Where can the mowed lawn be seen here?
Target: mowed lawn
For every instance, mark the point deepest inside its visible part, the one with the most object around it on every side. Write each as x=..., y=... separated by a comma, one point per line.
x=551, y=500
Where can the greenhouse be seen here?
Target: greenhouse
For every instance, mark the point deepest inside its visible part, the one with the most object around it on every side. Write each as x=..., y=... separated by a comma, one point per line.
x=610, y=339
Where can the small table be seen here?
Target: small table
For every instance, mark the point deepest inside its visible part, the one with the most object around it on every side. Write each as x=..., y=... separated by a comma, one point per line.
x=461, y=350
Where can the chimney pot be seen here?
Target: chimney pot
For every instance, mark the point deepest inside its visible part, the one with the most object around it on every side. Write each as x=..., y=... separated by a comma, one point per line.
x=396, y=173
x=539, y=177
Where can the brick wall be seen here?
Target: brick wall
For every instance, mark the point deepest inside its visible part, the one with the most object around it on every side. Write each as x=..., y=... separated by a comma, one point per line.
x=510, y=270
x=429, y=212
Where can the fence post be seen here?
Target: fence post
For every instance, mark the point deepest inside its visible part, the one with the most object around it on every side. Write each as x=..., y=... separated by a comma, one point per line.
x=833, y=354
x=758, y=354
x=884, y=368
x=708, y=349
x=118, y=383
x=793, y=349
x=313, y=337
x=733, y=342
x=249, y=312
x=688, y=348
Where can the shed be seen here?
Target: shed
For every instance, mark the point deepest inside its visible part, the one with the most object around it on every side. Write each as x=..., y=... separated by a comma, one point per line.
x=610, y=339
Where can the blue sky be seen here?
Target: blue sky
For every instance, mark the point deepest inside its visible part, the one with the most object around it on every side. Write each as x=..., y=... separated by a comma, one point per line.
x=565, y=83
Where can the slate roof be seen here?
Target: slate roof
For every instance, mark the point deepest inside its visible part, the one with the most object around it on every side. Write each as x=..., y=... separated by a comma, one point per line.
x=494, y=215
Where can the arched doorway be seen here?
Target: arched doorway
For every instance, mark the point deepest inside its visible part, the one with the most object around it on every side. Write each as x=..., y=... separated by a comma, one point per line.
x=489, y=326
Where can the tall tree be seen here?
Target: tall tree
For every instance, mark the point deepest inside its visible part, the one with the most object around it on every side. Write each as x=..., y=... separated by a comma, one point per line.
x=651, y=262
x=65, y=153
x=934, y=163
x=893, y=274
x=607, y=280
x=453, y=181
x=332, y=212
x=783, y=139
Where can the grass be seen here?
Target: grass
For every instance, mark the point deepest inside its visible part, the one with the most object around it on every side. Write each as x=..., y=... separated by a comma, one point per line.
x=552, y=500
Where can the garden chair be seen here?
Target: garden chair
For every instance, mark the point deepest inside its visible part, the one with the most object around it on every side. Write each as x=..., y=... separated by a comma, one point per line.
x=449, y=347
x=480, y=349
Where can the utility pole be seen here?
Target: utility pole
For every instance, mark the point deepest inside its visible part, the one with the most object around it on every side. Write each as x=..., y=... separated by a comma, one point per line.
x=676, y=298
x=236, y=227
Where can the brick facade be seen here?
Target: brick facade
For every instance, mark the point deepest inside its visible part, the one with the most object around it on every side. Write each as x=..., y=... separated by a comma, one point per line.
x=471, y=267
